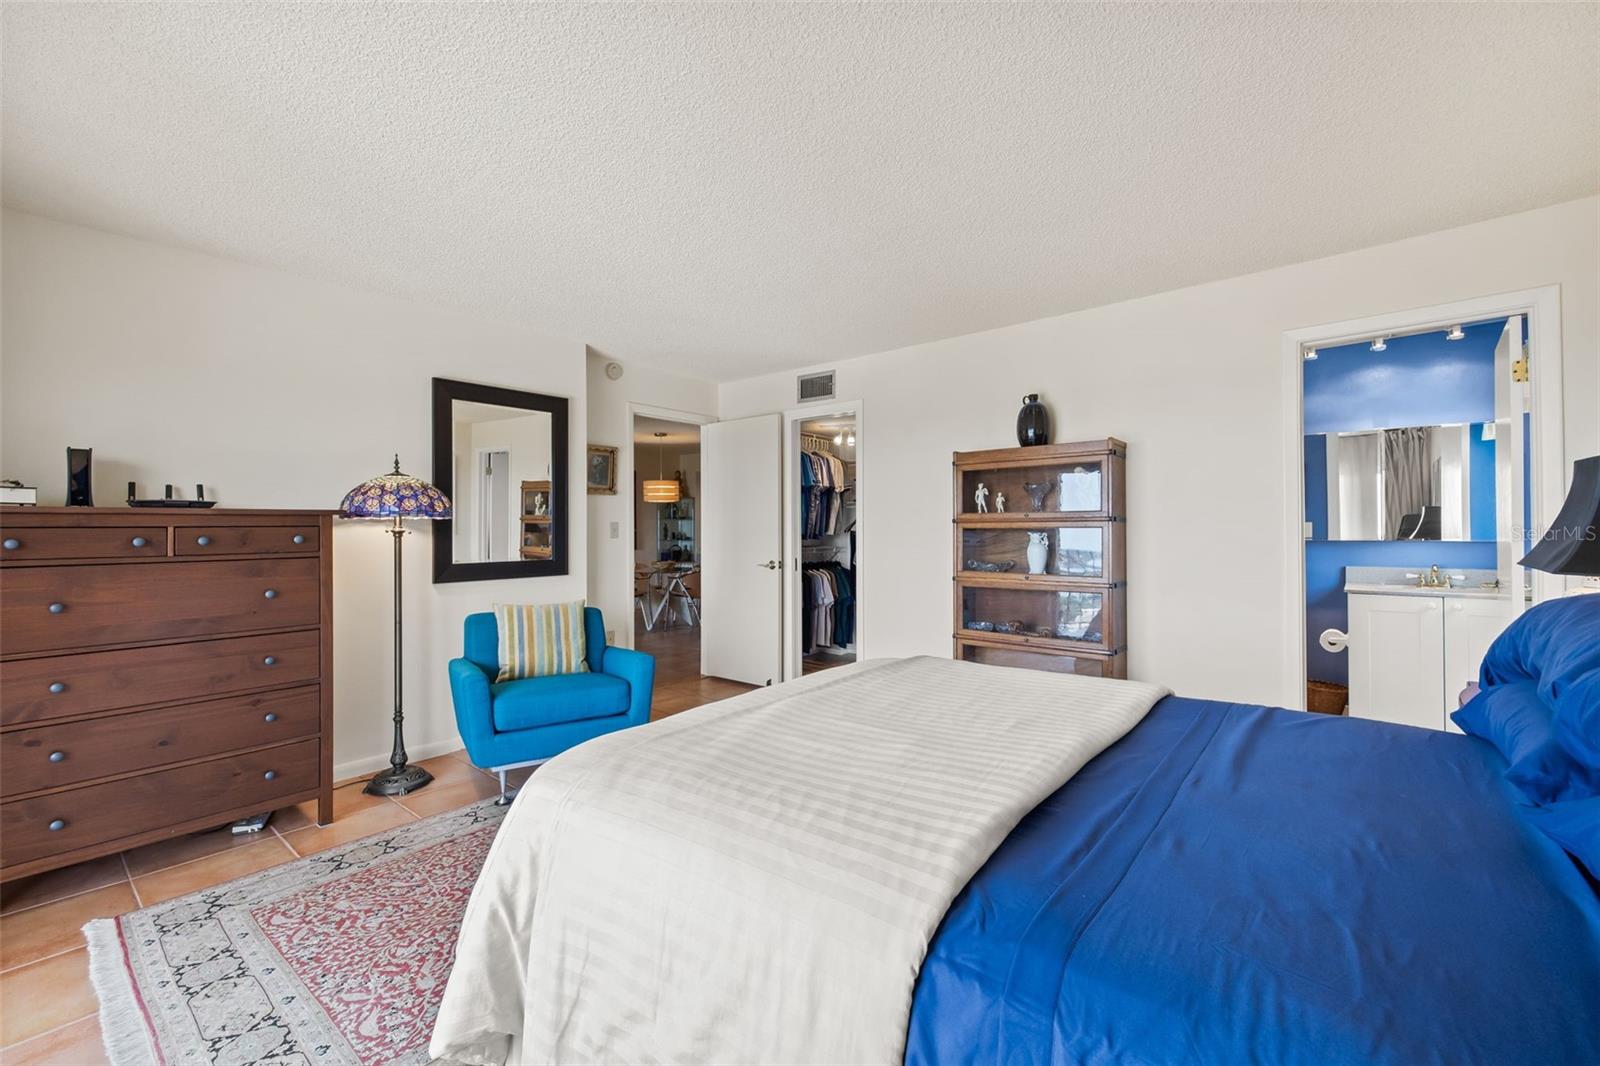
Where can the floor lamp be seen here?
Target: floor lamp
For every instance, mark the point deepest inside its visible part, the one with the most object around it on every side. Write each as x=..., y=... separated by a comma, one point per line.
x=397, y=497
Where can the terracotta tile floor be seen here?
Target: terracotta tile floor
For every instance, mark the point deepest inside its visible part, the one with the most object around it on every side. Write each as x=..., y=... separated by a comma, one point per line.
x=47, y=1005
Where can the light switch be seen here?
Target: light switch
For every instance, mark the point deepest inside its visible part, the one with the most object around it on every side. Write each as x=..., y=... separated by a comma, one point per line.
x=615, y=529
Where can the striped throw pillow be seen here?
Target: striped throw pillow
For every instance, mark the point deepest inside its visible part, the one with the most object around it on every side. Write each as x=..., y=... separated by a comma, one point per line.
x=539, y=639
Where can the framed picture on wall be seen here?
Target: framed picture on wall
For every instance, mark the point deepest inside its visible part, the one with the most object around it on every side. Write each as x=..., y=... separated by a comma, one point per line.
x=602, y=470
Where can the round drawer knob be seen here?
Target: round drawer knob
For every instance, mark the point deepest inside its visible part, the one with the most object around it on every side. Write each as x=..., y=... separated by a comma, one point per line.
x=58, y=825
x=139, y=542
x=271, y=775
x=299, y=538
x=202, y=540
x=271, y=594
x=270, y=716
x=271, y=660
x=12, y=544
x=57, y=608
x=57, y=687
x=58, y=756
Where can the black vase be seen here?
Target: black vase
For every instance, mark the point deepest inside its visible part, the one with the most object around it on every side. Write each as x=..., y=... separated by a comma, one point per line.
x=1033, y=422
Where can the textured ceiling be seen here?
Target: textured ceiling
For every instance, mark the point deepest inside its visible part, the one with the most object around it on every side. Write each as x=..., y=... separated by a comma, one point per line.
x=728, y=189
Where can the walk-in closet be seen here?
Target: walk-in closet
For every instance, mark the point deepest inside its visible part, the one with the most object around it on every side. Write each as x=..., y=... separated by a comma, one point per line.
x=826, y=513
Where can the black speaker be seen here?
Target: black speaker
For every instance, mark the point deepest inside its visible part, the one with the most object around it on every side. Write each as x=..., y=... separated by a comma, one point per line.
x=80, y=478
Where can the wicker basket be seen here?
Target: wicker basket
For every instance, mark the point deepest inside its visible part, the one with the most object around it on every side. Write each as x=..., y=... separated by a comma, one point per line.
x=1325, y=697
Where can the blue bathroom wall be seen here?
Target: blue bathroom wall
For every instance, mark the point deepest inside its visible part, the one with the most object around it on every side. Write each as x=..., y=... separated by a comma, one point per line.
x=1419, y=381
x=1325, y=602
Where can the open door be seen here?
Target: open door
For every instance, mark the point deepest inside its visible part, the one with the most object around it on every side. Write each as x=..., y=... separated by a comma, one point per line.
x=1510, y=447
x=741, y=635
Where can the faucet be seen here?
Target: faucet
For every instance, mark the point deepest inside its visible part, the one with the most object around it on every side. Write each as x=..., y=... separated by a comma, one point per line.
x=1433, y=579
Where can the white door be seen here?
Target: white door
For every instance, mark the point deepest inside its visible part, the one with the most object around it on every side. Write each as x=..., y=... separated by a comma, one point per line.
x=741, y=556
x=1397, y=659
x=1510, y=402
x=1470, y=626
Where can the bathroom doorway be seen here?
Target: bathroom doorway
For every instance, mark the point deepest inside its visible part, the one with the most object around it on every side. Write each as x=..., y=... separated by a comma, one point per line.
x=1427, y=452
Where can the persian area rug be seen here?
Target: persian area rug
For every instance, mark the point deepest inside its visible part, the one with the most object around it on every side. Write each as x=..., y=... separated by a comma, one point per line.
x=336, y=959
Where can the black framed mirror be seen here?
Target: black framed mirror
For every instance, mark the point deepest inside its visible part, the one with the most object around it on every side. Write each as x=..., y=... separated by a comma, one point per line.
x=501, y=457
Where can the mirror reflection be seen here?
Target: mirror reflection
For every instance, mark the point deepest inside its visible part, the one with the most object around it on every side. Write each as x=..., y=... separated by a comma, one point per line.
x=501, y=458
x=1412, y=483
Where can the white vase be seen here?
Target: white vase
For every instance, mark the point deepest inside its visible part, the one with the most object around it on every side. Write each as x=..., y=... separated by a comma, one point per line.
x=1038, y=552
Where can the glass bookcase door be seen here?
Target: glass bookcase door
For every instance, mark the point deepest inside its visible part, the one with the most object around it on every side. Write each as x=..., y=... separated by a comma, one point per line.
x=1076, y=616
x=1073, y=551
x=1082, y=665
x=1076, y=487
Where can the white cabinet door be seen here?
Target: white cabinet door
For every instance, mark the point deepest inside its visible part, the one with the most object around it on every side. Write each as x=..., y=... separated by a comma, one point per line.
x=1397, y=659
x=1470, y=626
x=741, y=523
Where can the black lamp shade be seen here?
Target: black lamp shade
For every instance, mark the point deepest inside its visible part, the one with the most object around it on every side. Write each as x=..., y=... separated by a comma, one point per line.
x=1572, y=544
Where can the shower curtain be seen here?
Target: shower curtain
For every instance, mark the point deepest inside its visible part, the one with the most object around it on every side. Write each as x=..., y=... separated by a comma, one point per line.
x=1407, y=480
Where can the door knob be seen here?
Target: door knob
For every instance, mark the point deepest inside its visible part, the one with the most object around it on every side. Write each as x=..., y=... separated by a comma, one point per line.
x=771, y=564
x=57, y=608
x=271, y=775
x=271, y=594
x=57, y=825
x=139, y=542
x=57, y=688
x=271, y=660
x=299, y=538
x=58, y=756
x=202, y=540
x=12, y=544
x=270, y=716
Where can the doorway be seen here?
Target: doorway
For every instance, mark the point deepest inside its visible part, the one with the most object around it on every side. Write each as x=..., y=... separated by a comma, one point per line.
x=494, y=507
x=823, y=605
x=1423, y=440
x=667, y=545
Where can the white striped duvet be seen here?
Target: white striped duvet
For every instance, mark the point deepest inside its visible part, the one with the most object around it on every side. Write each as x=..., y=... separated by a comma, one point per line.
x=757, y=880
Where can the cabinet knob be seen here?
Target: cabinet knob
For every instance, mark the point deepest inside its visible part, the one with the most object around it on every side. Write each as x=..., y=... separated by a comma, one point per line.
x=271, y=775
x=58, y=756
x=57, y=608
x=139, y=542
x=12, y=544
x=270, y=716
x=271, y=660
x=202, y=540
x=58, y=825
x=271, y=594
x=57, y=687
x=299, y=538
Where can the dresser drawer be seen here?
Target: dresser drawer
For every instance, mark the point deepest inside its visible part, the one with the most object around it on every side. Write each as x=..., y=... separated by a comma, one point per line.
x=50, y=608
x=60, y=686
x=82, y=817
x=245, y=540
x=74, y=752
x=20, y=544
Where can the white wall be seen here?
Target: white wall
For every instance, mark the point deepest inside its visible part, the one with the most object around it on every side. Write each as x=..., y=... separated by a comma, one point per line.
x=1193, y=380
x=611, y=558
x=274, y=391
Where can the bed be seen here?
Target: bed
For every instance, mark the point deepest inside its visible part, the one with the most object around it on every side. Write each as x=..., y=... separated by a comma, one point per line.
x=1149, y=879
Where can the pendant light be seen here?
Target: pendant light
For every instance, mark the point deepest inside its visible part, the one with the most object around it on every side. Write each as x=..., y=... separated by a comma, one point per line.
x=661, y=490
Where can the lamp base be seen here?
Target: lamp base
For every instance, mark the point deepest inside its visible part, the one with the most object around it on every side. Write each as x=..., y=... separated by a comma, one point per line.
x=397, y=782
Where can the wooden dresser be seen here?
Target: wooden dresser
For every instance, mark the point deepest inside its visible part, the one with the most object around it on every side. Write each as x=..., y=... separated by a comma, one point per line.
x=1065, y=518
x=161, y=671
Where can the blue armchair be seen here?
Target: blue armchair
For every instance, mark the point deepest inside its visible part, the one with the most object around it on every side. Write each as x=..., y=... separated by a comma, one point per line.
x=508, y=724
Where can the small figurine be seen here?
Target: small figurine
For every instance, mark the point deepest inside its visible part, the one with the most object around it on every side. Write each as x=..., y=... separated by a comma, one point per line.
x=982, y=498
x=999, y=502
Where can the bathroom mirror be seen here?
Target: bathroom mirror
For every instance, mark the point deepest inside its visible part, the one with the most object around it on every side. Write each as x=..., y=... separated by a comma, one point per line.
x=501, y=456
x=1410, y=483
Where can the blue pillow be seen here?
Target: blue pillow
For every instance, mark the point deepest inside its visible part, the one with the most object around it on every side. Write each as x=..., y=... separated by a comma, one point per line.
x=1556, y=645
x=1522, y=727
x=1575, y=825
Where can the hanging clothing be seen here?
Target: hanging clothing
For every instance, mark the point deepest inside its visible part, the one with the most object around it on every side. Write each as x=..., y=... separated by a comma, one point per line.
x=822, y=488
x=828, y=613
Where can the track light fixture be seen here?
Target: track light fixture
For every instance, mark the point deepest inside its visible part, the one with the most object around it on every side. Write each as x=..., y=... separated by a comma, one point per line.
x=1456, y=333
x=1381, y=344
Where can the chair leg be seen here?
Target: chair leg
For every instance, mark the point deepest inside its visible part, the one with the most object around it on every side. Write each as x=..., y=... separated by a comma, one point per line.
x=504, y=798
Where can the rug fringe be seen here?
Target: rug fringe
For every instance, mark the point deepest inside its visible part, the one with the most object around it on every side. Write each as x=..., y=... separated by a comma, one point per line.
x=128, y=1040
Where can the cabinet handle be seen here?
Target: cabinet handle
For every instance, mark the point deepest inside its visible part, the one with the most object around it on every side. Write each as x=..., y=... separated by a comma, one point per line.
x=58, y=825
x=202, y=540
x=271, y=775
x=299, y=538
x=271, y=660
x=57, y=688
x=58, y=756
x=271, y=716
x=12, y=544
x=271, y=594
x=139, y=542
x=57, y=608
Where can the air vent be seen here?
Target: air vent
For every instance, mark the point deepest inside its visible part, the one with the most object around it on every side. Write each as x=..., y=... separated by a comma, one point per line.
x=816, y=386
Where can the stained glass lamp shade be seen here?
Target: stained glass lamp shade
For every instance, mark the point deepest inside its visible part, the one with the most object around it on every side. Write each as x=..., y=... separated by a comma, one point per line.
x=397, y=497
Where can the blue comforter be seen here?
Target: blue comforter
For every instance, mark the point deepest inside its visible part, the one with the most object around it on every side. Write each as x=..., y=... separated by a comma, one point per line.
x=1234, y=884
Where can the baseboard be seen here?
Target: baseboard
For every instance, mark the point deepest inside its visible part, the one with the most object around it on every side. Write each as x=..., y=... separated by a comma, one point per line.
x=345, y=771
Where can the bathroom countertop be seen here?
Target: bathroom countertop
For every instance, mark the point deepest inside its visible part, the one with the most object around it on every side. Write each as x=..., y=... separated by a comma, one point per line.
x=1402, y=581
